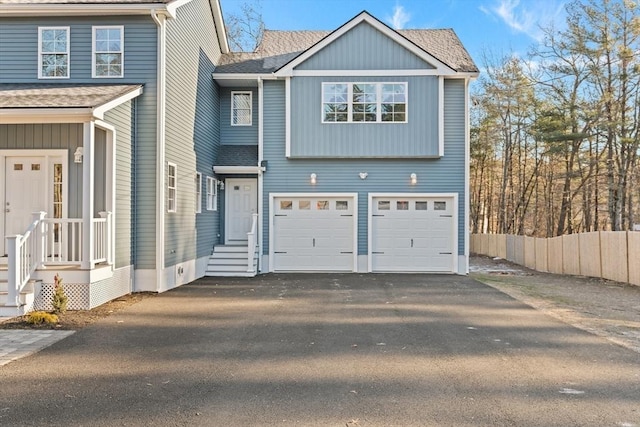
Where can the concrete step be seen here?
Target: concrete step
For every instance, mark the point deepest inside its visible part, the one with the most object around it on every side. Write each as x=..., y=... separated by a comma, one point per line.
x=230, y=248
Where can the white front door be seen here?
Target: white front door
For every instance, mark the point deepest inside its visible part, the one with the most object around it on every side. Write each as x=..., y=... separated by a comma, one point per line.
x=241, y=201
x=25, y=192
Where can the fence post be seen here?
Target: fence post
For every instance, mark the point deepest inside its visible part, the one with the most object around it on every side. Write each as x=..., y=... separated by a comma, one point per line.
x=13, y=270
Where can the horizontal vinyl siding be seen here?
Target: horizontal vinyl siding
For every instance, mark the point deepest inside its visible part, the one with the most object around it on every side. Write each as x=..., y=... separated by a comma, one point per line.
x=122, y=118
x=364, y=48
x=243, y=135
x=192, y=128
x=51, y=137
x=312, y=138
x=19, y=48
x=444, y=175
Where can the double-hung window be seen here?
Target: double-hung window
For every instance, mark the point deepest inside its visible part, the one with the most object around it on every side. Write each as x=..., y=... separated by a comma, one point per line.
x=108, y=52
x=172, y=187
x=212, y=194
x=53, y=52
x=241, y=108
x=364, y=102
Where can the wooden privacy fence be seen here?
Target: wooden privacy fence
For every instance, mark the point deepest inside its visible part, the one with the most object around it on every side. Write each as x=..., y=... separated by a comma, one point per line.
x=613, y=255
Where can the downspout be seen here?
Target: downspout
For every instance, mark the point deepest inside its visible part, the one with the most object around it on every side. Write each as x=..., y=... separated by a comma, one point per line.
x=260, y=174
x=160, y=21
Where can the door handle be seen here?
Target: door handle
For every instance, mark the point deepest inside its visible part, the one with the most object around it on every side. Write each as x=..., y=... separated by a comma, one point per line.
x=411, y=242
x=314, y=242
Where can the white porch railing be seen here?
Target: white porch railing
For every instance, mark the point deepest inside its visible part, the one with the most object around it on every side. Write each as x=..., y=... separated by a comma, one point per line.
x=22, y=251
x=53, y=241
x=252, y=244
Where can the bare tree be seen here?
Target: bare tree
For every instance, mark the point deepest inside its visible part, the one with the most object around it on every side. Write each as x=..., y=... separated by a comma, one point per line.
x=245, y=29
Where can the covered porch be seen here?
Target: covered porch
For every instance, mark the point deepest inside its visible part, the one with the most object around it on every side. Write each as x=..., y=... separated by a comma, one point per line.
x=58, y=164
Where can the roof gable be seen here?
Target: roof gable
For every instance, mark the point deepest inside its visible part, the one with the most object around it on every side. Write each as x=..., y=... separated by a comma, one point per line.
x=364, y=47
x=365, y=17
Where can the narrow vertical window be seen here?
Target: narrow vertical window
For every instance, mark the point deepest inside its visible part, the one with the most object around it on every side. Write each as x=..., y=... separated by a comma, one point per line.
x=53, y=52
x=198, y=192
x=57, y=199
x=212, y=194
x=108, y=51
x=241, y=114
x=172, y=173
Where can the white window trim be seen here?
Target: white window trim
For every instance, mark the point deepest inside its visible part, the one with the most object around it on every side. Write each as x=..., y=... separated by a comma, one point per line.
x=40, y=53
x=93, y=50
x=198, y=192
x=378, y=102
x=212, y=194
x=242, y=92
x=170, y=207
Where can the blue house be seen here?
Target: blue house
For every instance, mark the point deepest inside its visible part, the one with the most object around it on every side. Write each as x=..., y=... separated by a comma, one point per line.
x=137, y=153
x=350, y=148
x=108, y=126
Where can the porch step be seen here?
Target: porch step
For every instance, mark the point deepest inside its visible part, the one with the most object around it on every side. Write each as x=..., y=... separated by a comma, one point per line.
x=229, y=261
x=26, y=300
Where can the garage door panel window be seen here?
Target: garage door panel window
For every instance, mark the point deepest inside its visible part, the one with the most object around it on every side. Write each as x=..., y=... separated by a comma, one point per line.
x=286, y=205
x=322, y=205
x=402, y=205
x=421, y=206
x=439, y=206
x=342, y=205
x=384, y=205
x=304, y=205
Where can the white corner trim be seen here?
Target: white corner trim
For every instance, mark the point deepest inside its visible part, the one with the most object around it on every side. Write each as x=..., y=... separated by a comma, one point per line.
x=467, y=173
x=287, y=117
x=441, y=116
x=260, y=176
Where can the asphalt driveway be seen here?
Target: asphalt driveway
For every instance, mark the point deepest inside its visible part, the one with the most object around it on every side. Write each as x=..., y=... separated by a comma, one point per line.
x=326, y=350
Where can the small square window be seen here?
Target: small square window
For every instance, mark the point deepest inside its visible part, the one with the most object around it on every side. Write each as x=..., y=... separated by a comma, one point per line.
x=342, y=205
x=17, y=167
x=402, y=205
x=35, y=166
x=421, y=206
x=384, y=205
x=439, y=206
x=304, y=205
x=286, y=205
x=322, y=205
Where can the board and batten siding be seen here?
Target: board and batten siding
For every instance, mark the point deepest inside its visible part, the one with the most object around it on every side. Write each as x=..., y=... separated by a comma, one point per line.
x=192, y=128
x=416, y=138
x=339, y=175
x=67, y=136
x=241, y=135
x=121, y=118
x=364, y=48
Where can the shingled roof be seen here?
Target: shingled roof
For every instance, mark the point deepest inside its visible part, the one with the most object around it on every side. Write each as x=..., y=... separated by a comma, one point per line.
x=277, y=48
x=60, y=95
x=37, y=2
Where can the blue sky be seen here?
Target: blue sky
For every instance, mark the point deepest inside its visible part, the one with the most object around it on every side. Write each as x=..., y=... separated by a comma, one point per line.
x=502, y=27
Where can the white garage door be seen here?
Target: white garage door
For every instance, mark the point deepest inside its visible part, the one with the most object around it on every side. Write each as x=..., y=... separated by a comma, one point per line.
x=412, y=234
x=313, y=233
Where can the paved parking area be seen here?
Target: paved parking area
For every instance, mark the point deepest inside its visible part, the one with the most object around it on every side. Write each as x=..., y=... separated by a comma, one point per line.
x=326, y=350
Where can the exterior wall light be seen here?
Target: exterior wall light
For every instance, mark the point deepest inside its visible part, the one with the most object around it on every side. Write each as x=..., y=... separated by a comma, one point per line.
x=313, y=178
x=77, y=155
x=363, y=175
x=414, y=178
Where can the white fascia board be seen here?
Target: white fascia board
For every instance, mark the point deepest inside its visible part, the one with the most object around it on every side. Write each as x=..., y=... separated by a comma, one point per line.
x=441, y=67
x=45, y=115
x=243, y=76
x=372, y=73
x=81, y=9
x=172, y=8
x=231, y=170
x=99, y=111
x=221, y=31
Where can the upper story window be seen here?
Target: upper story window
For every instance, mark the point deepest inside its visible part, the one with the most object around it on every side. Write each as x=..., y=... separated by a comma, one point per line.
x=53, y=52
x=364, y=102
x=241, y=113
x=108, y=52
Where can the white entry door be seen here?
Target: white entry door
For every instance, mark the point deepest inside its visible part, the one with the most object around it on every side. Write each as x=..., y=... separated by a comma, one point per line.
x=25, y=192
x=413, y=234
x=241, y=202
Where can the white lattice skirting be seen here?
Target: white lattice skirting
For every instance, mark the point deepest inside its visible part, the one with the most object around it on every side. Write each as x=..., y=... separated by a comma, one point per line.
x=85, y=296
